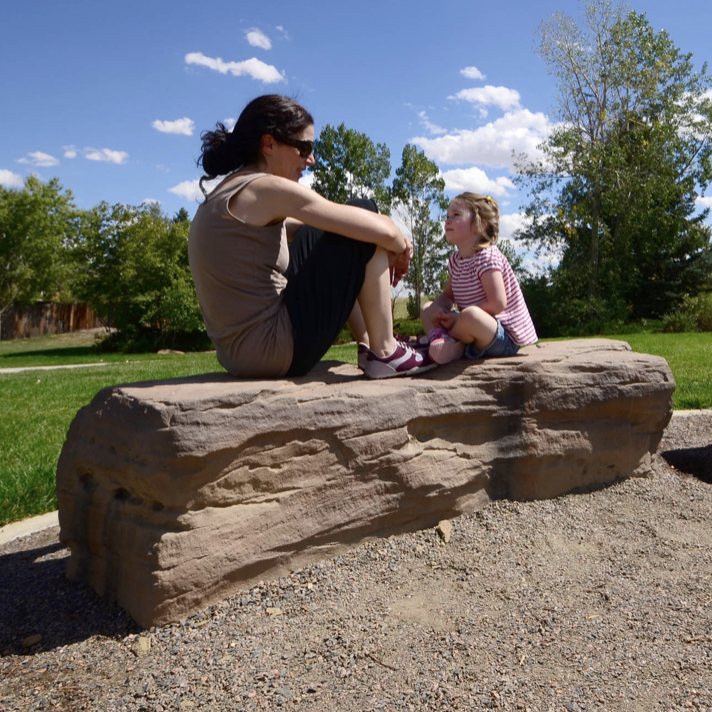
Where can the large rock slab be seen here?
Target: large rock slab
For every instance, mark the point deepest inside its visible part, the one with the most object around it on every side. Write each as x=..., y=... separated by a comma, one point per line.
x=174, y=494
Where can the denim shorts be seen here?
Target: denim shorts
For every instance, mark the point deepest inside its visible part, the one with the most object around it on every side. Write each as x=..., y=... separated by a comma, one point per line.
x=502, y=345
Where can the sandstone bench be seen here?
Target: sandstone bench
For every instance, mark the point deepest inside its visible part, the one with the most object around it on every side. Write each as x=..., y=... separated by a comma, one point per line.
x=175, y=494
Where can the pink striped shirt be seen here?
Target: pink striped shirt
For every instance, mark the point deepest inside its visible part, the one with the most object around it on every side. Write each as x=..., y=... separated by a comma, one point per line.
x=466, y=279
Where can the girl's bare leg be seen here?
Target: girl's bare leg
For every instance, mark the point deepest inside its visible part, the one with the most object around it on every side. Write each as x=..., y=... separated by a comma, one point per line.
x=475, y=326
x=425, y=318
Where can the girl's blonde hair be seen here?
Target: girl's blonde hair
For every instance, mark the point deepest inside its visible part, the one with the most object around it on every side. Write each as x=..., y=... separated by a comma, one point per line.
x=485, y=216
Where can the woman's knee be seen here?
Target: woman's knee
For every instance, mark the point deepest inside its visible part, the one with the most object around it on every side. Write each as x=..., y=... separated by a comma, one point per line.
x=365, y=203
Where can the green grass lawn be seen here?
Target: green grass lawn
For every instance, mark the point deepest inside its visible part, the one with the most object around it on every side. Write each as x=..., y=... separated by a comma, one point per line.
x=37, y=407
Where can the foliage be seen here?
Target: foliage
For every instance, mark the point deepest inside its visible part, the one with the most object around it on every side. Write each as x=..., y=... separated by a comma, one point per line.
x=694, y=314
x=38, y=226
x=132, y=268
x=418, y=194
x=348, y=165
x=615, y=191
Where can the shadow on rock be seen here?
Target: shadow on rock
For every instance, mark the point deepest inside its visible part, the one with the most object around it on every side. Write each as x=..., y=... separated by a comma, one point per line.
x=42, y=610
x=695, y=461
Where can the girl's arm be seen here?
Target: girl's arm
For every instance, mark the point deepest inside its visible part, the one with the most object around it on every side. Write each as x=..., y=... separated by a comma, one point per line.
x=271, y=199
x=493, y=284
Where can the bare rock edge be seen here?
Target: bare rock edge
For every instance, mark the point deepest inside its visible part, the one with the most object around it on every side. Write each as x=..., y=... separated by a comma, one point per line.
x=175, y=494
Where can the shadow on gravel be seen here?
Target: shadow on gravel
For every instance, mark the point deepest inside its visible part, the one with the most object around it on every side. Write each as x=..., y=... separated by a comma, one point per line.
x=695, y=461
x=36, y=599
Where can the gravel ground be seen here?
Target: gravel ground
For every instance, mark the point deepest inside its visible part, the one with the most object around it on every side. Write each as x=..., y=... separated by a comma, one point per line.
x=595, y=601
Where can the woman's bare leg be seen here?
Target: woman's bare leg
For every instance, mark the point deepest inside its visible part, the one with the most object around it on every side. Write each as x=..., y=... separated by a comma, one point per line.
x=375, y=302
x=358, y=325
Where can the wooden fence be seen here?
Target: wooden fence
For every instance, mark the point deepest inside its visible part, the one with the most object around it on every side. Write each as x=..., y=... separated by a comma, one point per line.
x=46, y=318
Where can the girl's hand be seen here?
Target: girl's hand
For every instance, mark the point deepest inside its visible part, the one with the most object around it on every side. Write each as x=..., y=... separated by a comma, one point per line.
x=445, y=319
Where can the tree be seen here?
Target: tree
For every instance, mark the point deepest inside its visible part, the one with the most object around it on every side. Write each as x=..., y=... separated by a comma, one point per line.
x=615, y=190
x=418, y=194
x=181, y=216
x=348, y=165
x=132, y=268
x=38, y=224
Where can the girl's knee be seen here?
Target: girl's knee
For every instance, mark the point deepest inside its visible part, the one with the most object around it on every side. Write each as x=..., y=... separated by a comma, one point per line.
x=425, y=308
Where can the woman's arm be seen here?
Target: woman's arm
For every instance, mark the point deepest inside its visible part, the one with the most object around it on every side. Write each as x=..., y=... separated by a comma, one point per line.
x=271, y=199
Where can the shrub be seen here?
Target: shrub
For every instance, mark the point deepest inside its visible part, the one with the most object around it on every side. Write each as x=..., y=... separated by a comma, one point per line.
x=679, y=321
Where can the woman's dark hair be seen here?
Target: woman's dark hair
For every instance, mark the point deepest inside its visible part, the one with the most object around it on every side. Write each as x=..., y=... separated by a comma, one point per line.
x=224, y=151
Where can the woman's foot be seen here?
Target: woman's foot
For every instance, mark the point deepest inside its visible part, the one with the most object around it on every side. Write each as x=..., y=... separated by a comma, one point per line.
x=404, y=361
x=443, y=348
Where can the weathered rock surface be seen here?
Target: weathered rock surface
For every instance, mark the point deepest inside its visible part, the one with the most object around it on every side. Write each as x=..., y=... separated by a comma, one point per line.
x=174, y=494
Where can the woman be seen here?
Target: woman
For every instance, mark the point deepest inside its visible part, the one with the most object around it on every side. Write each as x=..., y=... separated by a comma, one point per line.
x=272, y=308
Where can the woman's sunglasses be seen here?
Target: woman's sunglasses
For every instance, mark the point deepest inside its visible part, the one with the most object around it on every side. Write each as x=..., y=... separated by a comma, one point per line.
x=304, y=147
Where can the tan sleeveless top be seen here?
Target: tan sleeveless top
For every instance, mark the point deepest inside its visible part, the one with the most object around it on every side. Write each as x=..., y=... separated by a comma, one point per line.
x=238, y=270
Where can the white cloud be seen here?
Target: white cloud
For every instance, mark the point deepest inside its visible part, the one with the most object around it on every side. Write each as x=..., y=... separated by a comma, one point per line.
x=229, y=123
x=106, y=155
x=184, y=126
x=492, y=144
x=509, y=224
x=285, y=34
x=38, y=158
x=70, y=151
x=472, y=73
x=190, y=189
x=257, y=38
x=10, y=179
x=307, y=180
x=254, y=68
x=433, y=128
x=704, y=202
x=475, y=180
x=501, y=97
x=150, y=201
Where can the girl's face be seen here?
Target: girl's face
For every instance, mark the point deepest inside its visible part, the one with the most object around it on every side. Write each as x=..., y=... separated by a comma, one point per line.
x=459, y=226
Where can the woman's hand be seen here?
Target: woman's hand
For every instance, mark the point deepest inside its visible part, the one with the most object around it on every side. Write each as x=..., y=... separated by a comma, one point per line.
x=400, y=263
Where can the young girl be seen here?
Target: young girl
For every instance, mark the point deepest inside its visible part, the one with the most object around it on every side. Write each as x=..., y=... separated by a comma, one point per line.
x=493, y=319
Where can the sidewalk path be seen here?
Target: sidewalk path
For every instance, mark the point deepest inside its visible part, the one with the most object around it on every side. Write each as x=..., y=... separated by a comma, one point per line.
x=49, y=368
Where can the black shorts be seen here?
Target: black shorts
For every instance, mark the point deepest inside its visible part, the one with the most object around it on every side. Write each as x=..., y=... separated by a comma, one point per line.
x=325, y=275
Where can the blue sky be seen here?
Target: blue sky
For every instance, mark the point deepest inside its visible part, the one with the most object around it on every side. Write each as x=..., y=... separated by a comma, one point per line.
x=111, y=97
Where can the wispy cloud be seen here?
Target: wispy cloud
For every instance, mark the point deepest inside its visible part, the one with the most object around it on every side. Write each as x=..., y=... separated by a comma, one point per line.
x=106, y=155
x=502, y=97
x=472, y=73
x=10, y=179
x=150, y=201
x=254, y=68
x=475, y=180
x=184, y=126
x=429, y=126
x=40, y=159
x=285, y=34
x=257, y=38
x=70, y=151
x=492, y=144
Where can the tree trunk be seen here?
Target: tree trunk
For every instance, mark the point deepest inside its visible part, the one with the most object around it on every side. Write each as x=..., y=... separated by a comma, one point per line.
x=593, y=272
